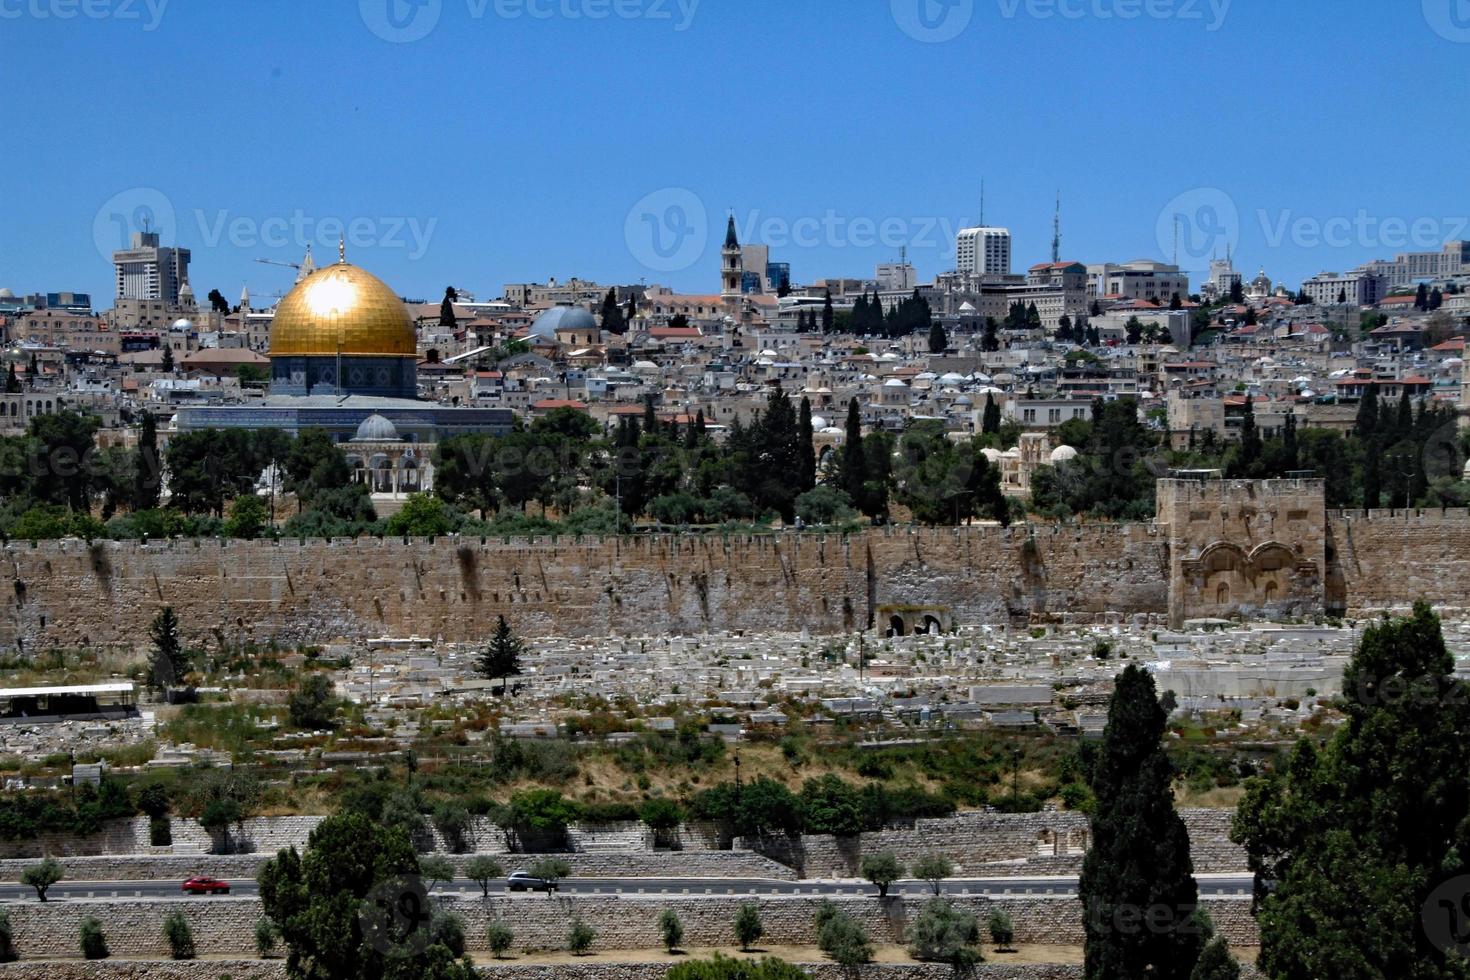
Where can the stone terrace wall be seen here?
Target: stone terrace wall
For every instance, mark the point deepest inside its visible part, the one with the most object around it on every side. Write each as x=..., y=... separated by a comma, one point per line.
x=66, y=594
x=224, y=926
x=974, y=841
x=243, y=867
x=264, y=835
x=1385, y=560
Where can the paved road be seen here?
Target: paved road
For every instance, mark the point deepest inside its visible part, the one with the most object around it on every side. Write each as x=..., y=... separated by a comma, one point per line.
x=1211, y=886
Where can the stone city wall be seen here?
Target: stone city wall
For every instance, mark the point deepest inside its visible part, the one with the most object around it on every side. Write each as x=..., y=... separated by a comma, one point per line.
x=1386, y=560
x=224, y=926
x=587, y=969
x=68, y=594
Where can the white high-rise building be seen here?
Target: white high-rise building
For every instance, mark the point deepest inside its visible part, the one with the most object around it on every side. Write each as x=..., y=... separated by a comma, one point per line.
x=983, y=252
x=146, y=270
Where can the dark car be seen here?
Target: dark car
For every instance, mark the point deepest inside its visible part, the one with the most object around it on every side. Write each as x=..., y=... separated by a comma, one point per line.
x=205, y=886
x=520, y=881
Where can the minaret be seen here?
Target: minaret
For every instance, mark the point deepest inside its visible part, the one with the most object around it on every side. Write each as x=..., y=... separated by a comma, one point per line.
x=732, y=268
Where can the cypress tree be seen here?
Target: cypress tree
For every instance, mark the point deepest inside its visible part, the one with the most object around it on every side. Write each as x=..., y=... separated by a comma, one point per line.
x=1372, y=478
x=148, y=468
x=938, y=339
x=1367, y=422
x=12, y=383
x=806, y=451
x=852, y=470
x=990, y=420
x=1404, y=423
x=828, y=315
x=447, y=318
x=1138, y=890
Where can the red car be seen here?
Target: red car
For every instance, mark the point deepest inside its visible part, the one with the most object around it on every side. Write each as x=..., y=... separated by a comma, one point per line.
x=205, y=886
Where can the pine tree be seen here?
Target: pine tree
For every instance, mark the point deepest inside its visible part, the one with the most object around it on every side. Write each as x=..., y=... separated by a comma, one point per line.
x=828, y=315
x=501, y=658
x=447, y=318
x=167, y=663
x=1138, y=870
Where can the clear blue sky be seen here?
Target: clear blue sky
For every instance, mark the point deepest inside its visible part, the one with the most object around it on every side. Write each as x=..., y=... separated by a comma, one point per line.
x=505, y=146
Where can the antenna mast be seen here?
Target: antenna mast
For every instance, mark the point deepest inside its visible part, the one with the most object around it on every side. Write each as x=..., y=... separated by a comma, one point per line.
x=1056, y=232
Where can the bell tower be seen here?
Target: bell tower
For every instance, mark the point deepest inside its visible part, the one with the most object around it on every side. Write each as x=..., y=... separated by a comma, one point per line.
x=732, y=267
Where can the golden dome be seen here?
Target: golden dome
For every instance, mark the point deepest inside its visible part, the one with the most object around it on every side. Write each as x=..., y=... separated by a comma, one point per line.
x=342, y=309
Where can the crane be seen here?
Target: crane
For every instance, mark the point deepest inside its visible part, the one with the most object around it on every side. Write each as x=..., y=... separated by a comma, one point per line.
x=303, y=268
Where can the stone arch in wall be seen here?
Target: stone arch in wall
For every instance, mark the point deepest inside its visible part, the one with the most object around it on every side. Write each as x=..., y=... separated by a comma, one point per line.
x=1271, y=580
x=913, y=620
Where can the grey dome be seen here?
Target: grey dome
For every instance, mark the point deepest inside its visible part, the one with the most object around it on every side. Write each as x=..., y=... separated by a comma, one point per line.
x=375, y=428
x=562, y=318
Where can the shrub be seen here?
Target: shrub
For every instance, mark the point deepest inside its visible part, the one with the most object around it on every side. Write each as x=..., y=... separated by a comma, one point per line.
x=845, y=940
x=726, y=968
x=943, y=933
x=1002, y=932
x=93, y=942
x=447, y=929
x=580, y=937
x=453, y=823
x=748, y=927
x=499, y=938
x=179, y=936
x=266, y=936
x=7, y=939
x=671, y=929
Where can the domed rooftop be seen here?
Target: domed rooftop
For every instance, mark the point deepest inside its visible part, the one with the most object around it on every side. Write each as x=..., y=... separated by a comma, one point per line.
x=182, y=323
x=562, y=318
x=6, y=294
x=375, y=428
x=1062, y=454
x=342, y=309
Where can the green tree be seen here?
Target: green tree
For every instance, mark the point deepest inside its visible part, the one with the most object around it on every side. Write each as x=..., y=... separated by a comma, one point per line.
x=551, y=870
x=179, y=936
x=92, y=940
x=501, y=658
x=448, y=319
x=248, y=517
x=1216, y=963
x=312, y=465
x=12, y=383
x=313, y=703
x=933, y=868
x=882, y=869
x=422, y=516
x=580, y=937
x=7, y=937
x=1138, y=869
x=167, y=664
x=671, y=929
x=266, y=937
x=938, y=339
x=844, y=939
x=831, y=806
x=1367, y=835
x=663, y=816
x=452, y=820
x=338, y=906
x=806, y=453
x=482, y=870
x=42, y=876
x=945, y=933
x=748, y=927
x=499, y=937
x=436, y=870
x=1002, y=931
x=728, y=968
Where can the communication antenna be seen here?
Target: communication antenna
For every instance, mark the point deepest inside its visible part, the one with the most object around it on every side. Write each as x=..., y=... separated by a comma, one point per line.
x=982, y=202
x=1056, y=232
